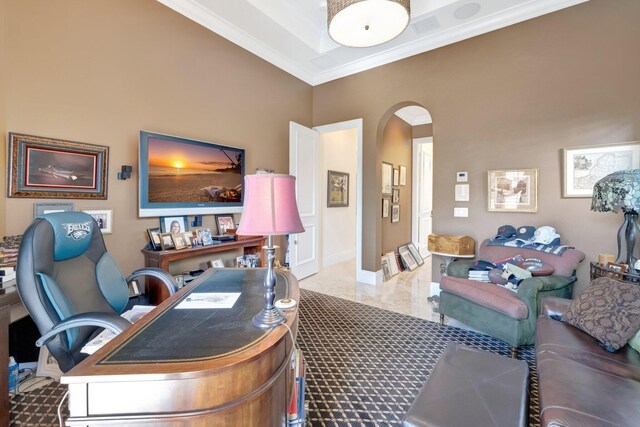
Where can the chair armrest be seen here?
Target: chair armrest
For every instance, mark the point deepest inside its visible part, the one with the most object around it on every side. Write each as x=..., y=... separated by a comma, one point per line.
x=529, y=289
x=110, y=321
x=459, y=268
x=166, y=278
x=554, y=307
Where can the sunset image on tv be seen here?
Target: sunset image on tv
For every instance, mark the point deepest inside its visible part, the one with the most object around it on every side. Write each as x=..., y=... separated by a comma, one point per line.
x=182, y=172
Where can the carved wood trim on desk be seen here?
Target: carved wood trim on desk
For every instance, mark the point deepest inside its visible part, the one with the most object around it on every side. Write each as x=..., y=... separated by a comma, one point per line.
x=161, y=259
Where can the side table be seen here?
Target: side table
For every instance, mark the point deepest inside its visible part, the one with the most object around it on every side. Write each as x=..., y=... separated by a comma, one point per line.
x=448, y=259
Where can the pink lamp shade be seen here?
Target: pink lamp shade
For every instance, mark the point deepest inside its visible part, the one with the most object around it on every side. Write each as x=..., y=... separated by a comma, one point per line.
x=270, y=207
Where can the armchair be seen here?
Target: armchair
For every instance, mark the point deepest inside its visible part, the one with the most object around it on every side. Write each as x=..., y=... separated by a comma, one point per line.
x=71, y=286
x=500, y=312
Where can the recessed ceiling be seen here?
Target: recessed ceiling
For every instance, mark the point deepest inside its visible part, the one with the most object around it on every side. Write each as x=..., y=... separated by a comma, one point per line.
x=292, y=34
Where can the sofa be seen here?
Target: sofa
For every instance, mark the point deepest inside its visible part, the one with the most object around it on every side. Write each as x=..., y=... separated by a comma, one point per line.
x=498, y=311
x=580, y=383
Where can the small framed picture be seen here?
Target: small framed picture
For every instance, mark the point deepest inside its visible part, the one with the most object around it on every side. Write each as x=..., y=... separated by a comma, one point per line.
x=173, y=224
x=166, y=242
x=154, y=238
x=396, y=177
x=45, y=208
x=415, y=253
x=216, y=263
x=224, y=223
x=395, y=213
x=385, y=208
x=396, y=195
x=512, y=190
x=387, y=177
x=403, y=175
x=179, y=242
x=407, y=259
x=190, y=238
x=103, y=217
x=337, y=189
x=204, y=236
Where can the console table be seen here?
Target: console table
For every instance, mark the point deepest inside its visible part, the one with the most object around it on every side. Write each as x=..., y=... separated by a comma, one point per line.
x=161, y=259
x=193, y=367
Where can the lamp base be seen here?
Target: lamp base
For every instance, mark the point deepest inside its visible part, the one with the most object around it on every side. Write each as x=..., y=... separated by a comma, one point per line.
x=269, y=318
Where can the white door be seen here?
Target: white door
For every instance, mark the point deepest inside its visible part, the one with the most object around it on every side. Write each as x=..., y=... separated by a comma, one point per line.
x=303, y=164
x=423, y=193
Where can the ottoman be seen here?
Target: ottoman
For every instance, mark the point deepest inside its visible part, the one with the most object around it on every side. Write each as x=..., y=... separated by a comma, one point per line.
x=472, y=387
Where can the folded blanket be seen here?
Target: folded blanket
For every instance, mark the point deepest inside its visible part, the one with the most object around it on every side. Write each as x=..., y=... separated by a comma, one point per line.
x=550, y=249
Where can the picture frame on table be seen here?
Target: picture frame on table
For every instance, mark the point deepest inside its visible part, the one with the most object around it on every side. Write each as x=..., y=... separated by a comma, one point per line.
x=395, y=213
x=403, y=175
x=166, y=242
x=41, y=167
x=386, y=204
x=104, y=218
x=179, y=241
x=204, y=237
x=396, y=177
x=224, y=223
x=337, y=189
x=174, y=224
x=45, y=208
x=584, y=166
x=216, y=263
x=387, y=178
x=512, y=190
x=154, y=238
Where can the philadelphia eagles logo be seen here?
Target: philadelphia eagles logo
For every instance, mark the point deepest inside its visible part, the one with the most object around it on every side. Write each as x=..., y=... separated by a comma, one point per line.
x=79, y=230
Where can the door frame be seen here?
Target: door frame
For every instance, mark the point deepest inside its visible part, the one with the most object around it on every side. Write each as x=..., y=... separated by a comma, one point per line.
x=364, y=276
x=415, y=190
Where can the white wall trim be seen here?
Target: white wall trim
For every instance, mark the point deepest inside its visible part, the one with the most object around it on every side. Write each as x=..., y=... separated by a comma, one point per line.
x=361, y=275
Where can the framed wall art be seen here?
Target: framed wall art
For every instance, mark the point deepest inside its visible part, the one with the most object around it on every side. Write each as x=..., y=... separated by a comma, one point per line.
x=45, y=208
x=584, y=166
x=337, y=189
x=396, y=177
x=104, y=218
x=395, y=213
x=53, y=168
x=385, y=208
x=395, y=198
x=513, y=190
x=387, y=178
x=403, y=175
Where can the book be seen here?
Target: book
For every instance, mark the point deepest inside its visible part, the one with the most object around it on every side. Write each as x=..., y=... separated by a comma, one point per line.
x=8, y=284
x=8, y=277
x=6, y=270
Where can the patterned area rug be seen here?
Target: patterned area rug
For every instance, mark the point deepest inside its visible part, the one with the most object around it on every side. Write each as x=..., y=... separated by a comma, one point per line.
x=364, y=365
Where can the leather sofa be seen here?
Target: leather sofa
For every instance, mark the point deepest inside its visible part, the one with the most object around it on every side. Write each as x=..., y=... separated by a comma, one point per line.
x=500, y=312
x=580, y=383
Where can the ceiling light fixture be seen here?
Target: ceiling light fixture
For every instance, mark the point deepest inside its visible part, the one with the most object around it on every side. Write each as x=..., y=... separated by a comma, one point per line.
x=365, y=23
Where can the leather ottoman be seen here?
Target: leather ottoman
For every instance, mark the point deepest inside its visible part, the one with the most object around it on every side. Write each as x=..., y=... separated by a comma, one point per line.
x=472, y=387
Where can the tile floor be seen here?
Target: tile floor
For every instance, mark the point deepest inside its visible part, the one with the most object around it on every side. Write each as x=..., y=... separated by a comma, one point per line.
x=405, y=293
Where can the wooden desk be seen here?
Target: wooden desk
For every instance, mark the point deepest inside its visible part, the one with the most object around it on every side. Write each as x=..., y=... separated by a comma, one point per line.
x=193, y=367
x=162, y=259
x=4, y=371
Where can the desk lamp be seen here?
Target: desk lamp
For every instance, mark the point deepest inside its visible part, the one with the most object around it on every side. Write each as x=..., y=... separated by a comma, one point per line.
x=270, y=209
x=620, y=191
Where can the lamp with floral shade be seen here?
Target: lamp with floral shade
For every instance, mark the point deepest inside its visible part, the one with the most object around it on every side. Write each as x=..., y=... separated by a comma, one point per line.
x=620, y=191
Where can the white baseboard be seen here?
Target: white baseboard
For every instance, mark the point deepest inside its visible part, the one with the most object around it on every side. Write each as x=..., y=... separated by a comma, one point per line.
x=369, y=277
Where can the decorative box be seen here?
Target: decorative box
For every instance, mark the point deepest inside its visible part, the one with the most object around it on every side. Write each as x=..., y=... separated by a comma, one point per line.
x=454, y=245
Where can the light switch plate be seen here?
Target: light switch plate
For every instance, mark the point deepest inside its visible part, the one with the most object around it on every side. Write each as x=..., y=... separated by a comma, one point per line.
x=461, y=212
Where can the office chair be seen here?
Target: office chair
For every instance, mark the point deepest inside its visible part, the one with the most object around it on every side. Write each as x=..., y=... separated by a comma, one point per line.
x=71, y=286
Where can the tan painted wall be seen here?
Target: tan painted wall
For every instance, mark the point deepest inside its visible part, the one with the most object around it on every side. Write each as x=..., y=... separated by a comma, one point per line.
x=512, y=98
x=102, y=70
x=3, y=128
x=396, y=149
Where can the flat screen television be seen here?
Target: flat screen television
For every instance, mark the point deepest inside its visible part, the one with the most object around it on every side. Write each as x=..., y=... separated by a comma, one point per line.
x=180, y=176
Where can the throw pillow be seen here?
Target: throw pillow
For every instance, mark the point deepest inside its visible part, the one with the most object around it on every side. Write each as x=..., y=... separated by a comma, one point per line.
x=635, y=341
x=608, y=310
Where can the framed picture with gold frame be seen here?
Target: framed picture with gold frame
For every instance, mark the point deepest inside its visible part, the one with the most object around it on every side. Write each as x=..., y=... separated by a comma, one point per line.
x=512, y=190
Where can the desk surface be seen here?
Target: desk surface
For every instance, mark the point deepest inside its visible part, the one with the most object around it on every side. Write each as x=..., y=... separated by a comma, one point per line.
x=193, y=367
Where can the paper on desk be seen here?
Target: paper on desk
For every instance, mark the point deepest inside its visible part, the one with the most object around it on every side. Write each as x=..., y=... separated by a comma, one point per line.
x=210, y=300
x=136, y=312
